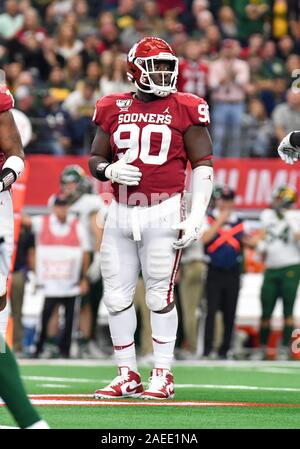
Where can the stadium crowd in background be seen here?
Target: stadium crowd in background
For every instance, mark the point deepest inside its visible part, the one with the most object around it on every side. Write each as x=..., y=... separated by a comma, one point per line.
x=59, y=56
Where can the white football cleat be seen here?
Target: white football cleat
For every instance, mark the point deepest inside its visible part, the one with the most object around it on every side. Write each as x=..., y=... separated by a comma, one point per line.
x=126, y=384
x=161, y=385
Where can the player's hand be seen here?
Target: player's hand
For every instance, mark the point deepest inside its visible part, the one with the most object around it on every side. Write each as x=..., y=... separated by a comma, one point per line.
x=94, y=270
x=124, y=173
x=192, y=231
x=288, y=153
x=84, y=286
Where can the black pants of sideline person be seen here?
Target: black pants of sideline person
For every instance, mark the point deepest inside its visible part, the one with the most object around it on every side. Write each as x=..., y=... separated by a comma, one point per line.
x=66, y=336
x=222, y=290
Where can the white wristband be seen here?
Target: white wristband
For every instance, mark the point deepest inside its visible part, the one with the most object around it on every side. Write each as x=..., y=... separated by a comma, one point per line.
x=16, y=164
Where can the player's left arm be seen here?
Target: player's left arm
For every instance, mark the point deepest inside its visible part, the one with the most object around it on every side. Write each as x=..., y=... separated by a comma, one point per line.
x=198, y=146
x=11, y=145
x=289, y=147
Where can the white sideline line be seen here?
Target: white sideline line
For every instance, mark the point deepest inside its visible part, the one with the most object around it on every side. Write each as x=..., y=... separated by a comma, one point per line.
x=52, y=385
x=8, y=427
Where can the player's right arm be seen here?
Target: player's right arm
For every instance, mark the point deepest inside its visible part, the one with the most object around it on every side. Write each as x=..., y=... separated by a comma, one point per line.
x=11, y=146
x=289, y=148
x=100, y=163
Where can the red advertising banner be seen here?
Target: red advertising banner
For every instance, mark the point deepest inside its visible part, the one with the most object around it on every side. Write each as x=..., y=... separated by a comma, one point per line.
x=252, y=179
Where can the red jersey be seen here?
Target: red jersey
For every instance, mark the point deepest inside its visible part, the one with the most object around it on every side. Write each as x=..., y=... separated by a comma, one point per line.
x=154, y=134
x=193, y=77
x=6, y=103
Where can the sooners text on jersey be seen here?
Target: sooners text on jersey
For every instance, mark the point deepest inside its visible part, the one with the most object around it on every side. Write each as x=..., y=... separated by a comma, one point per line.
x=6, y=103
x=153, y=132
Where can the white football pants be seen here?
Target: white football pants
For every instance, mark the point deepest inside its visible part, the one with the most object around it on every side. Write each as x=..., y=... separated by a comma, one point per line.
x=6, y=237
x=140, y=239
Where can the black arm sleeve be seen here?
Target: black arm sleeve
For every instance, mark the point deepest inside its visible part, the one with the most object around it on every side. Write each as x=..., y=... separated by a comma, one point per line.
x=8, y=177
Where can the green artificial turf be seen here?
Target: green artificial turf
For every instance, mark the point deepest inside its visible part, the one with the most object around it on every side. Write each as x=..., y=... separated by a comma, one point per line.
x=202, y=383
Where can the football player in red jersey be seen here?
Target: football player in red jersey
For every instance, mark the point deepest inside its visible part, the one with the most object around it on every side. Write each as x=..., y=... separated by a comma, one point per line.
x=143, y=143
x=11, y=166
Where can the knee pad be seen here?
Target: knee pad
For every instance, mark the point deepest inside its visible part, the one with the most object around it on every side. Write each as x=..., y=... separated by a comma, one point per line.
x=156, y=300
x=3, y=282
x=116, y=302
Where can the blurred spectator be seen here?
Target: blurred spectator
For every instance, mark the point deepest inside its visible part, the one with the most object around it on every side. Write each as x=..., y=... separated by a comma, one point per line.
x=67, y=44
x=272, y=66
x=80, y=104
x=90, y=210
x=228, y=77
x=93, y=73
x=126, y=13
x=222, y=239
x=74, y=71
x=255, y=46
x=258, y=131
x=204, y=20
x=25, y=101
x=227, y=22
x=114, y=78
x=251, y=16
x=57, y=84
x=84, y=21
x=213, y=37
x=31, y=28
x=52, y=128
x=193, y=71
x=286, y=116
x=62, y=260
x=278, y=246
x=150, y=15
x=61, y=8
x=285, y=47
x=91, y=50
x=11, y=21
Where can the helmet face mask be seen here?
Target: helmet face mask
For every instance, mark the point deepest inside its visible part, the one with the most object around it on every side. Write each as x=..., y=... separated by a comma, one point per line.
x=145, y=62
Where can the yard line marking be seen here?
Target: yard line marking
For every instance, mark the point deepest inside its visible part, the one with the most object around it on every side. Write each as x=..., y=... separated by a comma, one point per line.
x=275, y=370
x=216, y=386
x=182, y=363
x=70, y=401
x=236, y=387
x=61, y=379
x=53, y=385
